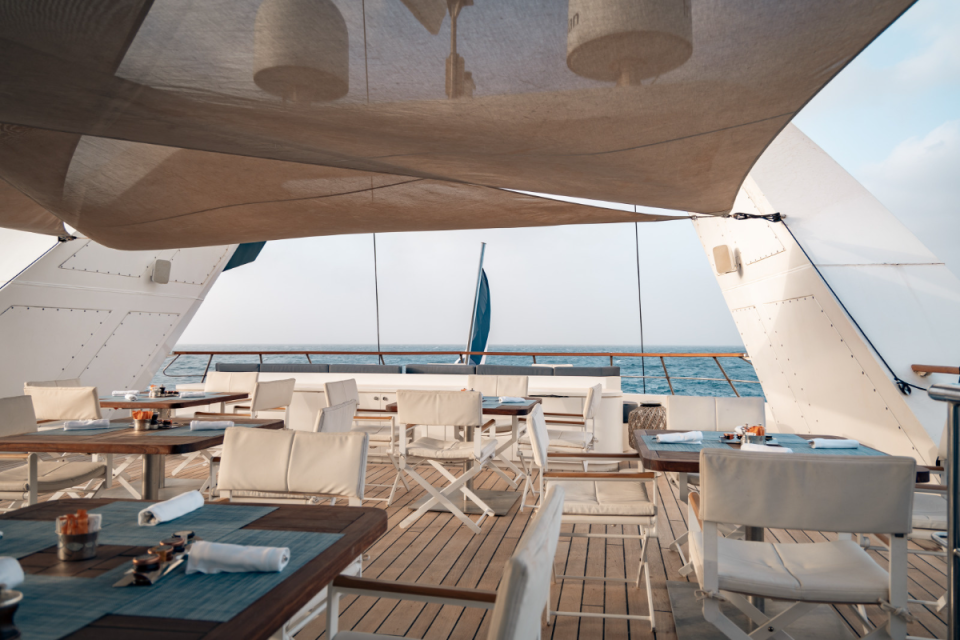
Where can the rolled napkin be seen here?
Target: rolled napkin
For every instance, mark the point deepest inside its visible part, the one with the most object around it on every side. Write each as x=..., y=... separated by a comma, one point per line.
x=693, y=437
x=740, y=430
x=170, y=509
x=125, y=392
x=830, y=443
x=130, y=397
x=509, y=399
x=70, y=425
x=216, y=557
x=11, y=573
x=762, y=448
x=192, y=394
x=202, y=425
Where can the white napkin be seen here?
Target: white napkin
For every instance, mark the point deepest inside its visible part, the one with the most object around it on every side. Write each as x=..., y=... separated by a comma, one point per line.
x=200, y=425
x=692, y=437
x=192, y=394
x=216, y=557
x=742, y=429
x=762, y=448
x=829, y=443
x=130, y=397
x=11, y=573
x=125, y=392
x=508, y=399
x=102, y=423
x=170, y=509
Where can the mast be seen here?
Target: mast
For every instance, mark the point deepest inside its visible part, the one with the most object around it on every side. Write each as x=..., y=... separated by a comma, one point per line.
x=476, y=300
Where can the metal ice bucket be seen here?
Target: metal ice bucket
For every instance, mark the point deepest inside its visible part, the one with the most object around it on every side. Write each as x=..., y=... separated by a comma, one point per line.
x=81, y=546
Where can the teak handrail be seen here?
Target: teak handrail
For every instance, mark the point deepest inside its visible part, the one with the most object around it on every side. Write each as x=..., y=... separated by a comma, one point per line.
x=926, y=369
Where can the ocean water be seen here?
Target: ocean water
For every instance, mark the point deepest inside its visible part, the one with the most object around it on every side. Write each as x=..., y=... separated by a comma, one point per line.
x=689, y=376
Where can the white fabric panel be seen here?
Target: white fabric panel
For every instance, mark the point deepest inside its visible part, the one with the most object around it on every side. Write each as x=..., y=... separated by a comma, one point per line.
x=929, y=511
x=255, y=459
x=808, y=491
x=440, y=408
x=733, y=412
x=231, y=382
x=17, y=416
x=65, y=403
x=341, y=391
x=449, y=449
x=525, y=586
x=592, y=403
x=692, y=412
x=564, y=438
x=273, y=394
x=336, y=419
x=52, y=475
x=614, y=498
x=487, y=385
x=539, y=438
x=68, y=382
x=328, y=463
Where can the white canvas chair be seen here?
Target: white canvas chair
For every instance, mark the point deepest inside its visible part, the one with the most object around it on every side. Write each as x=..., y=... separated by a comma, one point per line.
x=298, y=467
x=336, y=419
x=837, y=494
x=232, y=382
x=518, y=603
x=504, y=386
x=577, y=436
x=625, y=498
x=23, y=484
x=66, y=382
x=53, y=403
x=448, y=410
x=383, y=437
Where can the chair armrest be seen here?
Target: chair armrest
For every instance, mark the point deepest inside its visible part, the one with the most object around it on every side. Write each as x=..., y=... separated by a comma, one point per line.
x=380, y=418
x=210, y=414
x=928, y=467
x=931, y=487
x=568, y=415
x=694, y=501
x=596, y=456
x=374, y=410
x=577, y=423
x=14, y=456
x=409, y=591
x=598, y=475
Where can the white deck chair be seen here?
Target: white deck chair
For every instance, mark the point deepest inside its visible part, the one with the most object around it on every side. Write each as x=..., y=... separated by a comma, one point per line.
x=801, y=491
x=22, y=484
x=336, y=419
x=55, y=403
x=383, y=437
x=286, y=466
x=625, y=498
x=518, y=603
x=572, y=440
x=448, y=410
x=499, y=386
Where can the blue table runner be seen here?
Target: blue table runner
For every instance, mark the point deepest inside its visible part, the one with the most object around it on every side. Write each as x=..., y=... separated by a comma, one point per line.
x=212, y=522
x=711, y=440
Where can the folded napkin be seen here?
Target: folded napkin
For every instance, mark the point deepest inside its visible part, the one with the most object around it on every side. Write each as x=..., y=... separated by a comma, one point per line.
x=762, y=448
x=11, y=573
x=170, y=509
x=829, y=443
x=201, y=425
x=216, y=557
x=693, y=437
x=102, y=423
x=130, y=397
x=125, y=392
x=192, y=394
x=509, y=399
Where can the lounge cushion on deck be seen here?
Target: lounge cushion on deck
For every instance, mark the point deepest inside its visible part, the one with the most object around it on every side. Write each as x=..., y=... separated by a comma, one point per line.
x=238, y=367
x=443, y=369
x=283, y=367
x=448, y=449
x=929, y=512
x=366, y=368
x=586, y=371
x=52, y=475
x=512, y=370
x=606, y=498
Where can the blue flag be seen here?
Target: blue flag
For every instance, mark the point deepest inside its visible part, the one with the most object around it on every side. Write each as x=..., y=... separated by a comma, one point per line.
x=481, y=321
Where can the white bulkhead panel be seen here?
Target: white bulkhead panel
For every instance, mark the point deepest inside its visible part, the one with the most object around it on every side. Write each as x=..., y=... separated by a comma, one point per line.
x=131, y=345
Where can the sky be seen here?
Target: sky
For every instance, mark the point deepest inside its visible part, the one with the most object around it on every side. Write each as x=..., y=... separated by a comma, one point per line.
x=891, y=118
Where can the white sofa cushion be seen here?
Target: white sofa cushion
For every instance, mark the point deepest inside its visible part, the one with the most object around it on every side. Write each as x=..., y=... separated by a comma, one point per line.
x=929, y=512
x=565, y=438
x=612, y=498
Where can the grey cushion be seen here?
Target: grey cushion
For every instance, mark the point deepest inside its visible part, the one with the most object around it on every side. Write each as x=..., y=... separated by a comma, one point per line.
x=366, y=368
x=627, y=408
x=294, y=368
x=586, y=371
x=235, y=367
x=461, y=369
x=512, y=370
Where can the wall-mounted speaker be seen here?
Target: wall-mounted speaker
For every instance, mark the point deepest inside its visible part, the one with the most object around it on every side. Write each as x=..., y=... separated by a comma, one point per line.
x=161, y=271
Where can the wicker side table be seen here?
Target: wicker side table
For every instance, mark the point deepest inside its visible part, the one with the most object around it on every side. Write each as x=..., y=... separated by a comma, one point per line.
x=647, y=416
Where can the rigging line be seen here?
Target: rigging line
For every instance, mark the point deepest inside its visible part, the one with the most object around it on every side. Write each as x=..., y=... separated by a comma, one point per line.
x=643, y=366
x=903, y=385
x=376, y=294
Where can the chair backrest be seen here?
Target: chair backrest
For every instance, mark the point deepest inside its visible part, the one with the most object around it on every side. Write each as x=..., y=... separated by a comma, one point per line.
x=284, y=461
x=340, y=391
x=17, y=416
x=66, y=382
x=439, y=408
x=272, y=395
x=539, y=438
x=692, y=413
x=336, y=419
x=592, y=403
x=516, y=386
x=231, y=382
x=733, y=412
x=525, y=586
x=65, y=403
x=849, y=494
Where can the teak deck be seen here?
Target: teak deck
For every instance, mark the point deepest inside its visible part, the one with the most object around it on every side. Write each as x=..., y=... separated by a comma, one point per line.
x=438, y=551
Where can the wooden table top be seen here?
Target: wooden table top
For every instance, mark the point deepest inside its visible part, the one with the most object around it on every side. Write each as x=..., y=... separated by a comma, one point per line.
x=360, y=527
x=506, y=409
x=125, y=440
x=172, y=402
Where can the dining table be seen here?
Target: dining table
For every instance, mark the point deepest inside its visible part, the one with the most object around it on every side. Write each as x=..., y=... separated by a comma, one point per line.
x=79, y=600
x=500, y=501
x=167, y=404
x=121, y=438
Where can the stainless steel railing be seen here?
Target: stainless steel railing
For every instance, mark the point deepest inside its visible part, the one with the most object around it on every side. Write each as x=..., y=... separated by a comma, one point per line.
x=950, y=393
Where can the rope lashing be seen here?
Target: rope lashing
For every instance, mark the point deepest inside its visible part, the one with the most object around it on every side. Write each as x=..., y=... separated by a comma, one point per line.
x=900, y=612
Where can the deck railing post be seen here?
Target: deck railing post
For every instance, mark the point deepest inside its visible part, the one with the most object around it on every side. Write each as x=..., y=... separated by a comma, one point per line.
x=309, y=361
x=729, y=381
x=667, y=376
x=206, y=368
x=950, y=393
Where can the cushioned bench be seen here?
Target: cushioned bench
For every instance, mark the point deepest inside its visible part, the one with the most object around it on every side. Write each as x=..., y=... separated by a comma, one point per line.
x=282, y=367
x=451, y=369
x=512, y=370
x=238, y=367
x=366, y=368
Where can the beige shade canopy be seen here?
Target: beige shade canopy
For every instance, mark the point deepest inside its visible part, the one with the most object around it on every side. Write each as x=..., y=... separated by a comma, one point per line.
x=179, y=123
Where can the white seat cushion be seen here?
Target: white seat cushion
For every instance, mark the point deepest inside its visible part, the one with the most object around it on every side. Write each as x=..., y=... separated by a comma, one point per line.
x=52, y=475
x=615, y=498
x=838, y=571
x=564, y=438
x=449, y=449
x=375, y=433
x=929, y=512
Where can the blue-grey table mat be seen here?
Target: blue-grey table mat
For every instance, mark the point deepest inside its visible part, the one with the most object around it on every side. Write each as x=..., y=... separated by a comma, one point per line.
x=711, y=440
x=55, y=606
x=211, y=522
x=146, y=399
x=185, y=431
x=84, y=432
x=219, y=597
x=23, y=537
